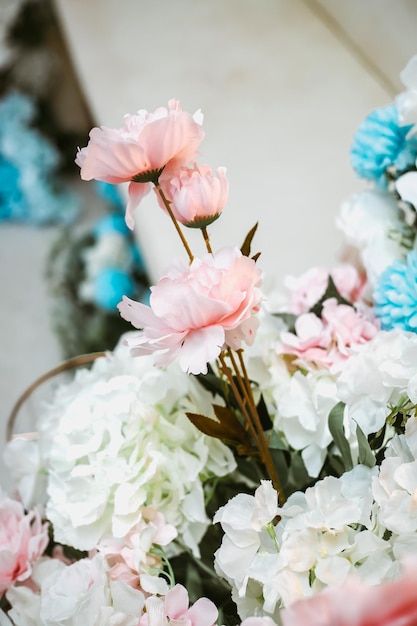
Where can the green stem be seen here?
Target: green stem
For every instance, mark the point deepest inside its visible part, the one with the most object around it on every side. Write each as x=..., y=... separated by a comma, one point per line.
x=167, y=205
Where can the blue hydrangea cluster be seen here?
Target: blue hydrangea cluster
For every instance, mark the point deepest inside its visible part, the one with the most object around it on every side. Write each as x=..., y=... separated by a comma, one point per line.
x=395, y=297
x=380, y=142
x=29, y=187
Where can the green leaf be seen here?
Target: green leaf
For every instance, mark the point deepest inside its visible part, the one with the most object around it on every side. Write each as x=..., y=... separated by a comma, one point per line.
x=275, y=442
x=366, y=456
x=338, y=433
x=264, y=413
x=289, y=320
x=245, y=248
x=331, y=292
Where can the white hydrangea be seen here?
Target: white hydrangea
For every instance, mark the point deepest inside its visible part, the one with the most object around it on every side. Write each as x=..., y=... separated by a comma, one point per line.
x=369, y=221
x=80, y=594
x=377, y=375
x=117, y=439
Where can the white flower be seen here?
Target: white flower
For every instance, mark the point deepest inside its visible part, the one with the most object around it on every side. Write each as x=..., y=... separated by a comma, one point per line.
x=406, y=101
x=378, y=374
x=75, y=595
x=117, y=439
x=243, y=519
x=368, y=221
x=395, y=491
x=302, y=415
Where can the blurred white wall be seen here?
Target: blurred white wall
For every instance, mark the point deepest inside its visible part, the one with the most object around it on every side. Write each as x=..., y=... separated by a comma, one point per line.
x=283, y=86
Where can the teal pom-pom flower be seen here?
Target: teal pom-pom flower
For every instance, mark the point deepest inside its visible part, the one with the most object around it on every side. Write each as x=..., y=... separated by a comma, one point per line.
x=111, y=285
x=395, y=297
x=380, y=142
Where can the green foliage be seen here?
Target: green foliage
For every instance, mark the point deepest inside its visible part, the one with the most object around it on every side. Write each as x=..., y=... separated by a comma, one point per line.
x=338, y=433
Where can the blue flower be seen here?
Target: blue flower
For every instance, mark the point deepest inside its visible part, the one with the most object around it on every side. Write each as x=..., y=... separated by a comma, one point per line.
x=381, y=142
x=110, y=286
x=111, y=223
x=396, y=295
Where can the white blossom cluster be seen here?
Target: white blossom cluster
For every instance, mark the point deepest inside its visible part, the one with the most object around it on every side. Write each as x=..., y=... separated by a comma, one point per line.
x=115, y=440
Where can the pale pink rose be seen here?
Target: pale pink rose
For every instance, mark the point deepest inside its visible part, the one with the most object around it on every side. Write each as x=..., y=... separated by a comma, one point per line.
x=326, y=341
x=196, y=195
x=23, y=539
x=307, y=289
x=175, y=609
x=356, y=604
x=138, y=152
x=198, y=309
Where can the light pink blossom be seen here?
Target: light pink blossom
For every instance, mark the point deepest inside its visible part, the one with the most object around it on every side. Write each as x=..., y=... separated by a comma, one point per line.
x=307, y=289
x=131, y=557
x=326, y=341
x=196, y=195
x=198, y=309
x=139, y=150
x=355, y=604
x=174, y=609
x=23, y=539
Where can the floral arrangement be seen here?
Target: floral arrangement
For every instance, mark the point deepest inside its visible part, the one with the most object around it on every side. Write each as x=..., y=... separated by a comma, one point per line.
x=88, y=271
x=243, y=457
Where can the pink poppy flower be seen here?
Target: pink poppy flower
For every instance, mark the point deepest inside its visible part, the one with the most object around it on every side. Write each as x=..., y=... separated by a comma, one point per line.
x=198, y=309
x=175, y=610
x=355, y=604
x=139, y=151
x=197, y=197
x=23, y=539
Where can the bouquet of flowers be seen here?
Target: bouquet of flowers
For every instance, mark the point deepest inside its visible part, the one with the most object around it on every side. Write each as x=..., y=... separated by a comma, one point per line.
x=243, y=457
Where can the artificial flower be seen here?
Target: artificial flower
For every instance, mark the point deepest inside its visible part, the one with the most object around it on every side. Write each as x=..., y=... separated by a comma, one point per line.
x=381, y=142
x=407, y=100
x=139, y=151
x=195, y=310
x=116, y=440
x=308, y=288
x=174, y=609
x=357, y=604
x=371, y=224
x=396, y=295
x=23, y=538
x=196, y=195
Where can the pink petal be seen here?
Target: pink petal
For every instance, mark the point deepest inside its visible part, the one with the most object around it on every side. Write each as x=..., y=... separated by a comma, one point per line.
x=176, y=602
x=137, y=191
x=203, y=613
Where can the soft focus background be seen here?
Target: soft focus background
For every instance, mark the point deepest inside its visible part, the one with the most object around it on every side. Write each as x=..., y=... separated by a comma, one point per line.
x=283, y=86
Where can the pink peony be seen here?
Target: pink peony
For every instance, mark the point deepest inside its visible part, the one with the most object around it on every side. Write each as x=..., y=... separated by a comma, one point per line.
x=23, y=539
x=197, y=197
x=355, y=604
x=326, y=341
x=139, y=151
x=174, y=609
x=198, y=309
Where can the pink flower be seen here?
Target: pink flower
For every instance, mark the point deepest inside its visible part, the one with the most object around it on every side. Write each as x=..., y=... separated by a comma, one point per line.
x=198, y=309
x=326, y=341
x=139, y=151
x=307, y=289
x=355, y=604
x=132, y=557
x=174, y=609
x=23, y=539
x=197, y=197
